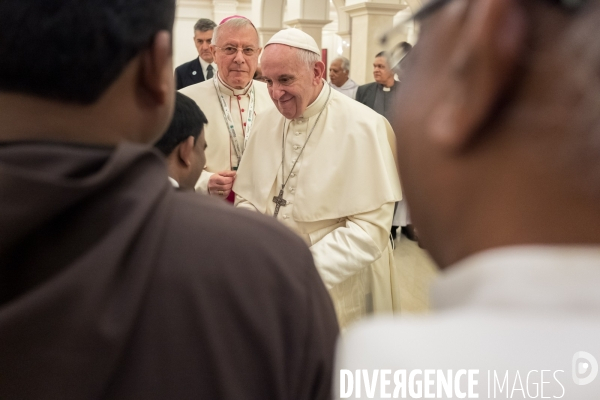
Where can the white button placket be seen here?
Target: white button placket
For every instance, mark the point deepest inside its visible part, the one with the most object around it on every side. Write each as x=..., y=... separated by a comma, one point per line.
x=295, y=140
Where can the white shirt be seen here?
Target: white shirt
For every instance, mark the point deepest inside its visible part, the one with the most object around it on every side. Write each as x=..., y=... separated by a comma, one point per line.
x=349, y=88
x=507, y=312
x=205, y=65
x=174, y=182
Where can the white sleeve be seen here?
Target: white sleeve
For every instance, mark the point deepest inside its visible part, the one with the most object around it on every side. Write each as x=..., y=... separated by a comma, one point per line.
x=202, y=184
x=350, y=248
x=241, y=202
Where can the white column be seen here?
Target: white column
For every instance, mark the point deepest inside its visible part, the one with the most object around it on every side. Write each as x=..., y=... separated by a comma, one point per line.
x=186, y=15
x=369, y=21
x=223, y=9
x=265, y=34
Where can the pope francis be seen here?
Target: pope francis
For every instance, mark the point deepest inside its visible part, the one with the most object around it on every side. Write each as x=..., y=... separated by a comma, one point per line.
x=324, y=165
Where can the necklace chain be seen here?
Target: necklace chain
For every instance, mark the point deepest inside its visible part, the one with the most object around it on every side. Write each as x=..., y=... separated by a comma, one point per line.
x=284, y=138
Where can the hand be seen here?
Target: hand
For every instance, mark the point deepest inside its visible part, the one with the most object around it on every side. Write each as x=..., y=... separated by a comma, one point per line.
x=220, y=183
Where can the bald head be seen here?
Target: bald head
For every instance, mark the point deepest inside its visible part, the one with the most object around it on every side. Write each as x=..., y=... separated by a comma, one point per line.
x=499, y=137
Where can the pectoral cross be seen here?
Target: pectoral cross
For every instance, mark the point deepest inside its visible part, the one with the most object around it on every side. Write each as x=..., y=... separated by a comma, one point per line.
x=280, y=201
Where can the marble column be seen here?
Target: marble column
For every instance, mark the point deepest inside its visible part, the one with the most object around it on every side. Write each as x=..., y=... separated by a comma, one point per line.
x=369, y=21
x=223, y=9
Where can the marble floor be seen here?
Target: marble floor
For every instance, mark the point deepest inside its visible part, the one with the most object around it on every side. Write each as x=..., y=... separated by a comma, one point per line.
x=416, y=270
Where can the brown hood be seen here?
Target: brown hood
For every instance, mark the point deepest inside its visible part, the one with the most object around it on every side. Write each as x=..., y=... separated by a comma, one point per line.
x=72, y=272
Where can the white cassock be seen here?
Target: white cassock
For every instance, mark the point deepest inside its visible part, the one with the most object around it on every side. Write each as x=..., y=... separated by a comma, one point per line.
x=349, y=88
x=340, y=195
x=220, y=151
x=522, y=313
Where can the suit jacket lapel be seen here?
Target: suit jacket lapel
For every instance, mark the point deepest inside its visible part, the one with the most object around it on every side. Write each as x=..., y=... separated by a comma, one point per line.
x=196, y=66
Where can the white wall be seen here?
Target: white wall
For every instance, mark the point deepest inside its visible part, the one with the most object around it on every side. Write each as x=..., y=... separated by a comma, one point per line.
x=186, y=15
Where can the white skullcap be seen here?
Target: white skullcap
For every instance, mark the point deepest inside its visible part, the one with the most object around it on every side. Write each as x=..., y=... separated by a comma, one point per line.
x=295, y=38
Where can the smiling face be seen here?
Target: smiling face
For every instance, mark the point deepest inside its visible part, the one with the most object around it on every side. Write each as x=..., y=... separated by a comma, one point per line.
x=202, y=41
x=293, y=86
x=236, y=70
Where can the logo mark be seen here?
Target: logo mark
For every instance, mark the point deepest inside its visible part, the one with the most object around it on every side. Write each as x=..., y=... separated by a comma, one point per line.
x=585, y=368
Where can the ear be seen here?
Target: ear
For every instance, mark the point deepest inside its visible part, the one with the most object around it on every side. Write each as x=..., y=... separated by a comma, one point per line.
x=156, y=65
x=481, y=67
x=319, y=71
x=213, y=50
x=185, y=150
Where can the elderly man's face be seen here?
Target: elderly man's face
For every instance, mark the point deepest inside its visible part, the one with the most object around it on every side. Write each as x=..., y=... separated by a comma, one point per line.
x=337, y=74
x=291, y=82
x=237, y=69
x=382, y=71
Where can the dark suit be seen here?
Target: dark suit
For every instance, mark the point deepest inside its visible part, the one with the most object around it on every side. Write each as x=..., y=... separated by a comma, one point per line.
x=366, y=94
x=184, y=74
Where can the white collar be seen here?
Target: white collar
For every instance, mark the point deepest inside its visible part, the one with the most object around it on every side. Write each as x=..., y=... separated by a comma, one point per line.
x=205, y=65
x=539, y=278
x=229, y=91
x=174, y=182
x=315, y=107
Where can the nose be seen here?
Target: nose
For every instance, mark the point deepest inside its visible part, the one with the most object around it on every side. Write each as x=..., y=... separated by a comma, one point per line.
x=239, y=57
x=276, y=91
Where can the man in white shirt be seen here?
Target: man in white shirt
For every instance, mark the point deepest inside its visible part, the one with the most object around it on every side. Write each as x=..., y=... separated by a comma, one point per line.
x=204, y=66
x=234, y=101
x=183, y=143
x=339, y=71
x=498, y=138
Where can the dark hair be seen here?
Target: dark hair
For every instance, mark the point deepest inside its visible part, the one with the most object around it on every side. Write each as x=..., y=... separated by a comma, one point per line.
x=204, y=25
x=73, y=50
x=381, y=54
x=188, y=120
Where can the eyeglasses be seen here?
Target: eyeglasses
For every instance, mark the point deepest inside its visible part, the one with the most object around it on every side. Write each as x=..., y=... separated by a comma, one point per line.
x=230, y=50
x=392, y=40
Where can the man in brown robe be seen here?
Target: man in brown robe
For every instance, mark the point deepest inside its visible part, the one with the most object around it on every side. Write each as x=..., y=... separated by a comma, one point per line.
x=112, y=283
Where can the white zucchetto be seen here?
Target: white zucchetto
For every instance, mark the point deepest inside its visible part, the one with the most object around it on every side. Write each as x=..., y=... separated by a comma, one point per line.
x=295, y=38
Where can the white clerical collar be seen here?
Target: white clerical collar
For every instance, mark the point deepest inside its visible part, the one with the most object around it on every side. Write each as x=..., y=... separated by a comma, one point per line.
x=333, y=85
x=229, y=91
x=539, y=278
x=315, y=107
x=174, y=182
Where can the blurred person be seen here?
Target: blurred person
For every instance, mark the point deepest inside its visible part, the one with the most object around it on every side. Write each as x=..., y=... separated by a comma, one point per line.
x=183, y=143
x=379, y=96
x=339, y=71
x=497, y=141
x=324, y=166
x=234, y=99
x=113, y=285
x=204, y=66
